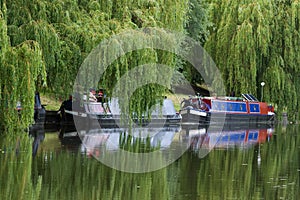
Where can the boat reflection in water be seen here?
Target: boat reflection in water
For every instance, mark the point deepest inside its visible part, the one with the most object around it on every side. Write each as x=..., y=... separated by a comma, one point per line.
x=141, y=140
x=95, y=141
x=229, y=137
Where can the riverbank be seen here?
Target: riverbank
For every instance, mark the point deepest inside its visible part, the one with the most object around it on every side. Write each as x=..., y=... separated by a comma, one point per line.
x=50, y=102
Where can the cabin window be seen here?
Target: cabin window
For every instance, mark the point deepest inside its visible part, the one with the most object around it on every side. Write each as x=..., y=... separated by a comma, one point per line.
x=223, y=107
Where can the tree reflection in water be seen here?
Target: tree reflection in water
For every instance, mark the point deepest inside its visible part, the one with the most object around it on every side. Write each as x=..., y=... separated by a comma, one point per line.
x=228, y=171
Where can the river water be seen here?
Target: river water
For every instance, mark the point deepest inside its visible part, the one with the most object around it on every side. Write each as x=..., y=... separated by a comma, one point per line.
x=237, y=163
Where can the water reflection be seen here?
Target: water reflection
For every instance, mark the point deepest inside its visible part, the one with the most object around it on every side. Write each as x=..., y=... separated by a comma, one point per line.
x=113, y=139
x=229, y=137
x=229, y=172
x=93, y=141
x=129, y=149
x=37, y=131
x=15, y=168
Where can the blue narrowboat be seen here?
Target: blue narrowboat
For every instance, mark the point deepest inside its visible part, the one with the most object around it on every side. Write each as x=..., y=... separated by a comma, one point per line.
x=208, y=110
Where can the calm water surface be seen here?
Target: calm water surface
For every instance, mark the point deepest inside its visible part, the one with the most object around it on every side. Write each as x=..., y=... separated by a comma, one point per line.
x=238, y=163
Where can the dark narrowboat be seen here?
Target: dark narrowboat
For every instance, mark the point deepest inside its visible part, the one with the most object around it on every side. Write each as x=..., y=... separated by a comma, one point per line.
x=108, y=115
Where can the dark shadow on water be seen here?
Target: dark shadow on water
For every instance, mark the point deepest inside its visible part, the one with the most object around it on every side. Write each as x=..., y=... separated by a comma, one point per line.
x=36, y=131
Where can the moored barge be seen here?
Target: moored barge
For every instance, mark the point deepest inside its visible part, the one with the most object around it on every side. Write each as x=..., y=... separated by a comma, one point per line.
x=213, y=110
x=108, y=115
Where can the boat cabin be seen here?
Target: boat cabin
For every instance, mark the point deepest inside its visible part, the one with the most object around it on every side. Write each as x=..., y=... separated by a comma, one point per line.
x=247, y=104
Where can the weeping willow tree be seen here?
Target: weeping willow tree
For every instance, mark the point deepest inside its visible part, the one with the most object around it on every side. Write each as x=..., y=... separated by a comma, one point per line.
x=67, y=31
x=255, y=41
x=130, y=73
x=47, y=42
x=197, y=27
x=22, y=68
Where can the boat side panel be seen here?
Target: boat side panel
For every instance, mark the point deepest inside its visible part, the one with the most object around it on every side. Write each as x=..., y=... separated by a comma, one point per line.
x=239, y=107
x=229, y=106
x=254, y=108
x=263, y=108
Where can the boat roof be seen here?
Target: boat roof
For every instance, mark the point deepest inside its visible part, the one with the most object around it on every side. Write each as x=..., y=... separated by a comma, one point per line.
x=249, y=97
x=244, y=97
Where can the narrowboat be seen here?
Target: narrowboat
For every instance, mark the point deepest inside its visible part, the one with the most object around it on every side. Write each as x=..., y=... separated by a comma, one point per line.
x=108, y=115
x=214, y=110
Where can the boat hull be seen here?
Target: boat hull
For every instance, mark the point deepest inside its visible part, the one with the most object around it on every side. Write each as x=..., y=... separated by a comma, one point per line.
x=118, y=122
x=194, y=116
x=233, y=118
x=202, y=117
x=84, y=121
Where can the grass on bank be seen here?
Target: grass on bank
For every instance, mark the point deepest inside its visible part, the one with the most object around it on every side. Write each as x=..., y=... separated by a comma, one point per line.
x=50, y=102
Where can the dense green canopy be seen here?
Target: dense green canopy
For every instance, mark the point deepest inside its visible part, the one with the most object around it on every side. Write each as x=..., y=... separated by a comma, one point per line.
x=48, y=41
x=22, y=67
x=255, y=41
x=43, y=43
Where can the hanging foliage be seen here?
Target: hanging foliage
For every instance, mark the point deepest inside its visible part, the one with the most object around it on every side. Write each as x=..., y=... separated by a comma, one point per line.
x=197, y=28
x=21, y=68
x=47, y=41
x=68, y=30
x=255, y=41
